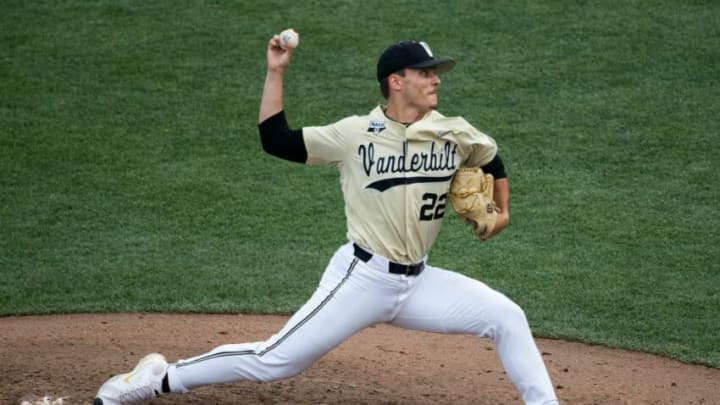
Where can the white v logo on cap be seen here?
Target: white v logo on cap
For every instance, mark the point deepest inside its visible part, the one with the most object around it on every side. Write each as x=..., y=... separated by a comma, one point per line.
x=427, y=48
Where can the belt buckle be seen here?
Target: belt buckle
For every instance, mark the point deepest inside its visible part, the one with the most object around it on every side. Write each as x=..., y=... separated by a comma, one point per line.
x=406, y=269
x=413, y=269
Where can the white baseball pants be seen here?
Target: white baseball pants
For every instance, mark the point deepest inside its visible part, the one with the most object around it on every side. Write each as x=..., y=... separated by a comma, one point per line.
x=353, y=295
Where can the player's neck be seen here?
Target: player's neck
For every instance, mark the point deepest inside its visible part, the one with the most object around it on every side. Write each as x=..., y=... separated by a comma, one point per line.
x=405, y=115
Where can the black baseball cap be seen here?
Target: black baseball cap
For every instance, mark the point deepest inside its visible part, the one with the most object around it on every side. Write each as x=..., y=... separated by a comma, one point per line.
x=410, y=54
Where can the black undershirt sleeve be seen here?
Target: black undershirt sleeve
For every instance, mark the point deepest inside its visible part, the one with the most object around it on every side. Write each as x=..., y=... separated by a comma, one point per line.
x=279, y=140
x=496, y=168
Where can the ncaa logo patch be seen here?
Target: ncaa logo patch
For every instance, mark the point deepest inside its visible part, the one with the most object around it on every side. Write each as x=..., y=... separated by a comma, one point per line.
x=376, y=126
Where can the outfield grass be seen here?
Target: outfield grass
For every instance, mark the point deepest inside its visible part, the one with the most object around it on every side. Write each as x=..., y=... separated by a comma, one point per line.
x=132, y=177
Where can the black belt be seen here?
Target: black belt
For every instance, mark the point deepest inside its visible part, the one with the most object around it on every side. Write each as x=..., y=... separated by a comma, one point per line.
x=395, y=268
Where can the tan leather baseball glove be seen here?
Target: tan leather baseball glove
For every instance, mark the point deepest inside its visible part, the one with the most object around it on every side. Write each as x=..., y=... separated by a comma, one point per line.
x=471, y=195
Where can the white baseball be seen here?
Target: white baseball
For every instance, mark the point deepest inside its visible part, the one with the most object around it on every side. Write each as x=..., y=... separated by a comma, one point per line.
x=289, y=39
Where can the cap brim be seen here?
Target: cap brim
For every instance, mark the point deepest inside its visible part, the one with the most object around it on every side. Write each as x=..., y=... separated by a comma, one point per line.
x=440, y=65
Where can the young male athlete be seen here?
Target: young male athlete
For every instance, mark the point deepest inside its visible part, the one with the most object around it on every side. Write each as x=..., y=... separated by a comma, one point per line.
x=396, y=165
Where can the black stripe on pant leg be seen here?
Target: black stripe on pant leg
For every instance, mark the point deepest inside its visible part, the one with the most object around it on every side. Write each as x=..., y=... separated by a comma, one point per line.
x=282, y=338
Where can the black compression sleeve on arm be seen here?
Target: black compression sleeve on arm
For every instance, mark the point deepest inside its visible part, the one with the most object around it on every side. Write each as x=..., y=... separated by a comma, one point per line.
x=496, y=168
x=279, y=140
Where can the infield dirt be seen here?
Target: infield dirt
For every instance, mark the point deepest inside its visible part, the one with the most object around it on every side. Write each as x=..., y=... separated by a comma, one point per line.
x=70, y=356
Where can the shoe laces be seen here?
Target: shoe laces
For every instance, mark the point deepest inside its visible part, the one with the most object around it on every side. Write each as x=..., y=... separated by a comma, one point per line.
x=142, y=388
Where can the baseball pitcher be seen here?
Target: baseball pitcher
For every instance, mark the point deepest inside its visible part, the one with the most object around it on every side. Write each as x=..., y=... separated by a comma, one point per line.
x=400, y=165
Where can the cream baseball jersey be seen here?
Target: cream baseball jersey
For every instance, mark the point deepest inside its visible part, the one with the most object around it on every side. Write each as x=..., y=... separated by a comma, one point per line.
x=395, y=178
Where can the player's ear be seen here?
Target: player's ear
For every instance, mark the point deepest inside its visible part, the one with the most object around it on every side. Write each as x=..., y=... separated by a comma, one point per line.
x=395, y=81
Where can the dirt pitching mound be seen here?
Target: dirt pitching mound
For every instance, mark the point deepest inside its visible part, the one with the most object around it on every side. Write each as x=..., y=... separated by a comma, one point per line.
x=64, y=360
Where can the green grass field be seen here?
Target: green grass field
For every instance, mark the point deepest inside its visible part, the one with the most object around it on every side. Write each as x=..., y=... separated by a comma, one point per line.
x=133, y=179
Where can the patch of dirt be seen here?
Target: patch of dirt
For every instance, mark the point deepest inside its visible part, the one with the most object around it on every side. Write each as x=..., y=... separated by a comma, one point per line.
x=70, y=356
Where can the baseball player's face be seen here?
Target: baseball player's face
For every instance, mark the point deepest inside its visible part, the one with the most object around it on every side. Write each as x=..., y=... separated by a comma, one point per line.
x=420, y=88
